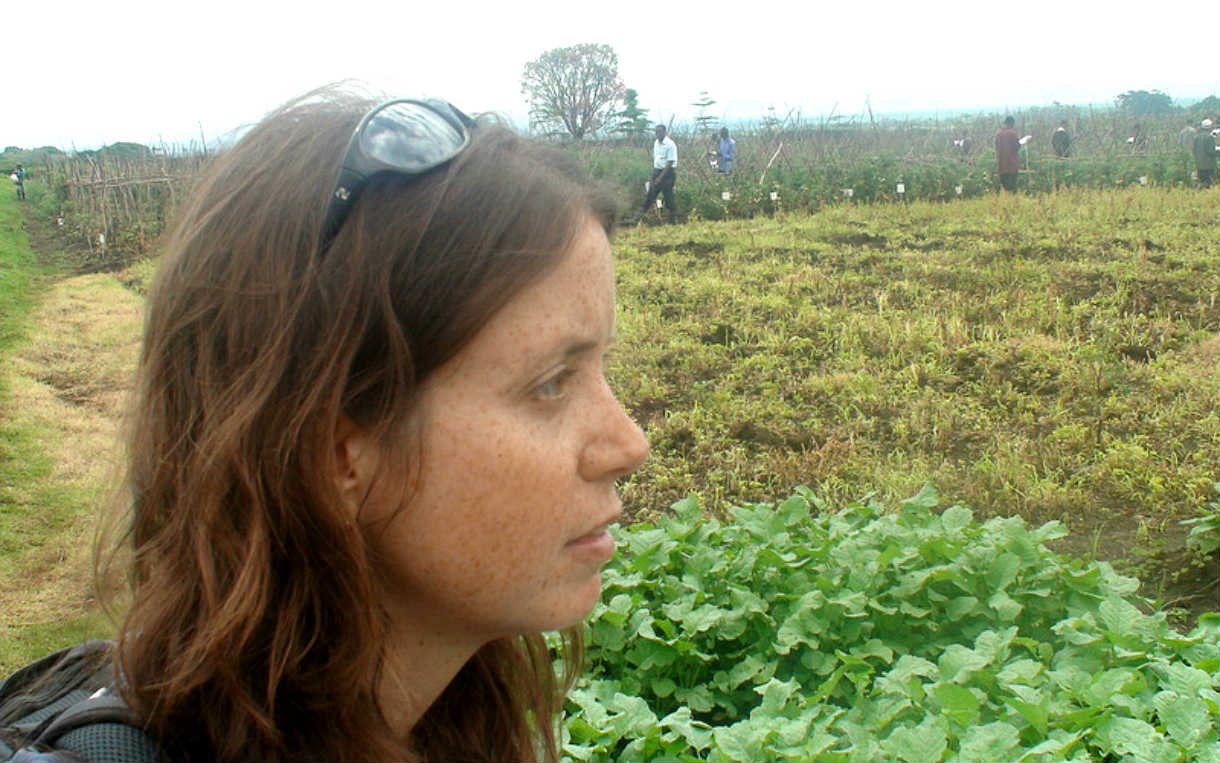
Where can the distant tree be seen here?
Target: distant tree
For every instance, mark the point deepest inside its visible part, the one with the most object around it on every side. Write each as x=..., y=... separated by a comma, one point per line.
x=1144, y=102
x=632, y=120
x=573, y=90
x=1209, y=105
x=704, y=120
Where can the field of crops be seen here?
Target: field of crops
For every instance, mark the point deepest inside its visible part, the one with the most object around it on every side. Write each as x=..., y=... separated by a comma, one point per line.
x=1049, y=362
x=794, y=164
x=1050, y=357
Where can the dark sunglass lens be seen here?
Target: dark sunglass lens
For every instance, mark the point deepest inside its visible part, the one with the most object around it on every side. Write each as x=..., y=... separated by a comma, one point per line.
x=411, y=137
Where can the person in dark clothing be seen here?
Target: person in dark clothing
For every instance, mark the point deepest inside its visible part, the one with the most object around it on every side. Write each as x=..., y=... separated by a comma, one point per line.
x=19, y=180
x=1204, y=150
x=664, y=174
x=1061, y=140
x=1008, y=154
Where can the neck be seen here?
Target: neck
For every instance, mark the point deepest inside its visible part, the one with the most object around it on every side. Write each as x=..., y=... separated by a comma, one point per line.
x=422, y=661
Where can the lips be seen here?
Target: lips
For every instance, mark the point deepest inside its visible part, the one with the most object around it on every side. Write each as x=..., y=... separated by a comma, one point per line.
x=596, y=545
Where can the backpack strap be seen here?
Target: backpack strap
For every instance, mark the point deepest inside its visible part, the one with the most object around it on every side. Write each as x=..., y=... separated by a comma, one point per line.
x=101, y=727
x=81, y=723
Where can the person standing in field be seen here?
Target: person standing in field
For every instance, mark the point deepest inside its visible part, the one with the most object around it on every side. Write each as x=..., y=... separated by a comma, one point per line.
x=19, y=180
x=664, y=174
x=1008, y=154
x=1138, y=141
x=1187, y=136
x=728, y=151
x=1061, y=140
x=1205, y=154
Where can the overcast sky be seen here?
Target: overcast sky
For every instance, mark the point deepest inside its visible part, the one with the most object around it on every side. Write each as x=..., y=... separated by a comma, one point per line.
x=85, y=74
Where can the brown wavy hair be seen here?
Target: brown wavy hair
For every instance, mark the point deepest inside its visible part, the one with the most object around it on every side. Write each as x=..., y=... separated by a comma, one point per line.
x=257, y=630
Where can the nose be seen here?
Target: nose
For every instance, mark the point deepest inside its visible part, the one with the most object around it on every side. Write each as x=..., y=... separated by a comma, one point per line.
x=616, y=446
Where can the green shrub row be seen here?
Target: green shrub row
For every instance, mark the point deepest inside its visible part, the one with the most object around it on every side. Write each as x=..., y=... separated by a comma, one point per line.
x=798, y=633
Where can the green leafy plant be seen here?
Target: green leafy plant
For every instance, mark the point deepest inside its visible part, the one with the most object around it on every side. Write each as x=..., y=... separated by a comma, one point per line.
x=797, y=633
x=1204, y=537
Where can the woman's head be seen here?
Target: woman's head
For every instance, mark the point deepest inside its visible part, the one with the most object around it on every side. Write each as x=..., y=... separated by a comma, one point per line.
x=260, y=560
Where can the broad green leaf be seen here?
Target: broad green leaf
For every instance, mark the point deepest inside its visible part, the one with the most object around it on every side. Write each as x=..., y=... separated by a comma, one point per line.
x=663, y=686
x=923, y=501
x=958, y=661
x=775, y=694
x=955, y=519
x=814, y=745
x=921, y=743
x=634, y=716
x=1003, y=570
x=696, y=733
x=1131, y=736
x=1186, y=680
x=1022, y=671
x=803, y=625
x=1054, y=749
x=1121, y=616
x=1005, y=608
x=958, y=703
x=702, y=618
x=648, y=655
x=1107, y=684
x=994, y=645
x=745, y=670
x=790, y=731
x=994, y=741
x=1052, y=530
x=1033, y=713
x=1186, y=720
x=741, y=741
x=580, y=752
x=794, y=510
x=959, y=607
x=909, y=665
x=874, y=648
x=698, y=698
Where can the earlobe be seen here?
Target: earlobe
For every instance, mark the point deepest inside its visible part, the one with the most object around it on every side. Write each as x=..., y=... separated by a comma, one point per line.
x=356, y=459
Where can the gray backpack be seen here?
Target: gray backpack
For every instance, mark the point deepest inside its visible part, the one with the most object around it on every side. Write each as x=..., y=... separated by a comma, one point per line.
x=64, y=708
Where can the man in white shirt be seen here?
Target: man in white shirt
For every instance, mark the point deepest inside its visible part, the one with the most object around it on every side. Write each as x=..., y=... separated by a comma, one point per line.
x=664, y=173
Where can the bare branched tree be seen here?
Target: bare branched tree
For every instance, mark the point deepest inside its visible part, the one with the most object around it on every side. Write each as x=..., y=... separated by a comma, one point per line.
x=573, y=90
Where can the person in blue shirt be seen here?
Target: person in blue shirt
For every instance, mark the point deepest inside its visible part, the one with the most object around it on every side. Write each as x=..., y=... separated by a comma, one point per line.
x=728, y=151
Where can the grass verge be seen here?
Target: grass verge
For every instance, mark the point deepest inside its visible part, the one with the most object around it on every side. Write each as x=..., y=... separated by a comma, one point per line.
x=68, y=347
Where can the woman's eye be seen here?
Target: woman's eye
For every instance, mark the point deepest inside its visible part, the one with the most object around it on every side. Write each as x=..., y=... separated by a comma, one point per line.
x=553, y=387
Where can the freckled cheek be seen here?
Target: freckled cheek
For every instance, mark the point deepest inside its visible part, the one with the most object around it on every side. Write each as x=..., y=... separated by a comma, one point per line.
x=507, y=495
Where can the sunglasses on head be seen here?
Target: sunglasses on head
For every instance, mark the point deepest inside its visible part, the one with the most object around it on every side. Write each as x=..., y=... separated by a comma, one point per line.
x=405, y=136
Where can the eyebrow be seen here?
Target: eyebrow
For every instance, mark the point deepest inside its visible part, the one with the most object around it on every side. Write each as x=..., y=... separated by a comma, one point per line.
x=578, y=347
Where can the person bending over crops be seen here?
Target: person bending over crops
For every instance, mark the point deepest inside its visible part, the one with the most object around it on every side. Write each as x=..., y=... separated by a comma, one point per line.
x=374, y=453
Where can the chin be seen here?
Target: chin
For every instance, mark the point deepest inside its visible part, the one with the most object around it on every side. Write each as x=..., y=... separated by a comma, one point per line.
x=576, y=606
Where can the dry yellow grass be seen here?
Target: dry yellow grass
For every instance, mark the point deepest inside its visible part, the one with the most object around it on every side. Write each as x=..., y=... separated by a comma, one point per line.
x=66, y=387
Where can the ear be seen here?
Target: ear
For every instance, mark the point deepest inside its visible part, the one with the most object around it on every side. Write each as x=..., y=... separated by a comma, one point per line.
x=357, y=458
